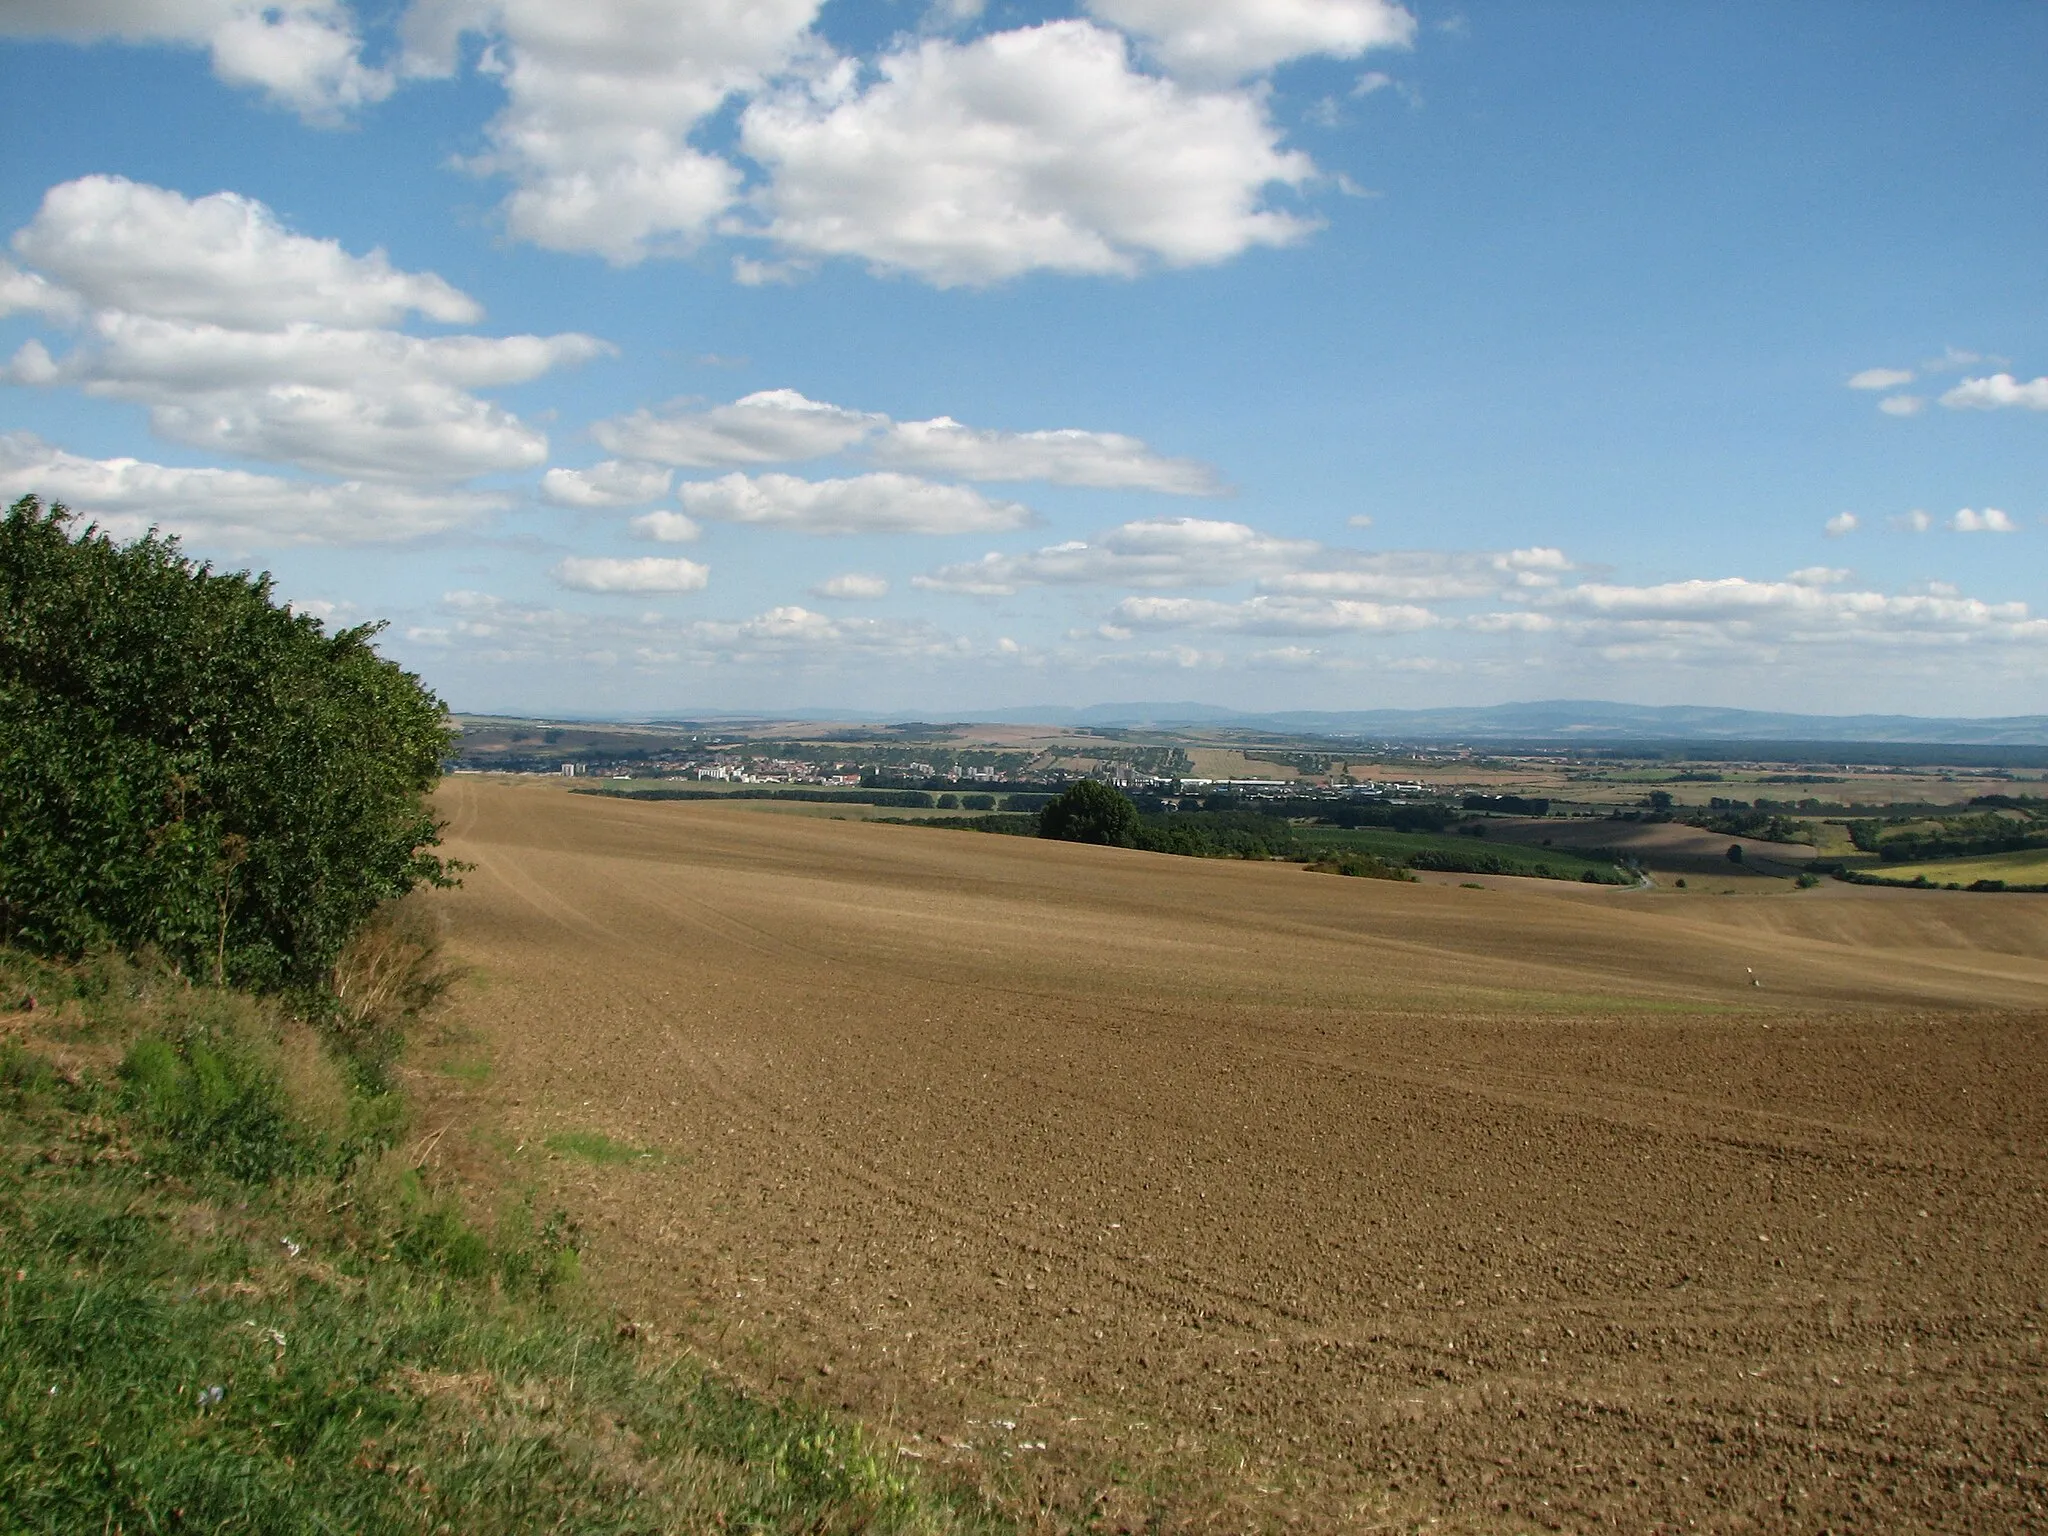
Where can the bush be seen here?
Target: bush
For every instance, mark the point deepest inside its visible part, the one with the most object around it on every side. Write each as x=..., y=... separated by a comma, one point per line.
x=1089, y=812
x=1364, y=866
x=188, y=765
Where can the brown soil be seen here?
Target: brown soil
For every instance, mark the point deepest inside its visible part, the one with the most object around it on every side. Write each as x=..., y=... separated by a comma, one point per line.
x=1334, y=1203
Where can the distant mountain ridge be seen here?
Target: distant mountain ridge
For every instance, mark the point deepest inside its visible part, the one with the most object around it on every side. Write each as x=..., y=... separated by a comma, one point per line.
x=1557, y=720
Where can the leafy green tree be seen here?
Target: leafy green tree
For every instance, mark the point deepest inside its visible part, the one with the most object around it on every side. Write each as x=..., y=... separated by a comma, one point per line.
x=1089, y=812
x=1735, y=853
x=187, y=764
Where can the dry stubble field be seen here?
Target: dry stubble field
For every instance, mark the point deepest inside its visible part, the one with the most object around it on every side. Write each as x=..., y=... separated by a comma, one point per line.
x=1288, y=1198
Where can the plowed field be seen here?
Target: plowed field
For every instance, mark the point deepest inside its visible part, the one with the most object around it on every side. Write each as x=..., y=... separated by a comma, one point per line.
x=1287, y=1198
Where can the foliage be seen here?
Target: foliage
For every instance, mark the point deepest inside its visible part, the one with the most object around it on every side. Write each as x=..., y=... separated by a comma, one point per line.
x=1363, y=866
x=1454, y=854
x=1231, y=834
x=1763, y=825
x=1520, y=805
x=188, y=765
x=1091, y=812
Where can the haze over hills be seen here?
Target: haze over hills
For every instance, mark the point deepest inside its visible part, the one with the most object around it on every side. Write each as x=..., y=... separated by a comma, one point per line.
x=1565, y=719
x=1541, y=720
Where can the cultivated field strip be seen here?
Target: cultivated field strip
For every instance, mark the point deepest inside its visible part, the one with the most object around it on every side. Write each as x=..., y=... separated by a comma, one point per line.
x=1320, y=1199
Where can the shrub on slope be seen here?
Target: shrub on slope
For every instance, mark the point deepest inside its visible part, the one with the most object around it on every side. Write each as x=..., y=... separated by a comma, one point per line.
x=188, y=765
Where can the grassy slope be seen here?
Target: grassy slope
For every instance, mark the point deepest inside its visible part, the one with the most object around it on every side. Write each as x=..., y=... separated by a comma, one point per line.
x=2028, y=867
x=182, y=1348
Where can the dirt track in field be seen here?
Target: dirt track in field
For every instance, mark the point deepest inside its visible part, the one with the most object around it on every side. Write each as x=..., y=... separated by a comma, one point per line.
x=1340, y=1203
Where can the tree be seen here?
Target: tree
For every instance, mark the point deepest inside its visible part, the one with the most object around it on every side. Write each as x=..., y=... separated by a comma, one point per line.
x=1658, y=800
x=187, y=764
x=1089, y=812
x=1735, y=853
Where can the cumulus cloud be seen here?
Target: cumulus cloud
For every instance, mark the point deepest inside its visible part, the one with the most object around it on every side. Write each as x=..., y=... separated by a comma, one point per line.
x=491, y=629
x=1066, y=456
x=1821, y=575
x=1732, y=612
x=646, y=574
x=304, y=54
x=771, y=426
x=666, y=528
x=1902, y=405
x=1163, y=552
x=601, y=100
x=223, y=259
x=241, y=337
x=2000, y=391
x=1228, y=39
x=1990, y=520
x=228, y=507
x=1425, y=575
x=783, y=426
x=613, y=483
x=884, y=502
x=1915, y=521
x=1880, y=378
x=852, y=586
x=1034, y=149
x=1266, y=615
x=1841, y=523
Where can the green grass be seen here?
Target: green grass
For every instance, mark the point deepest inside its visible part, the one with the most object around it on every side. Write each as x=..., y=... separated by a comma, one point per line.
x=595, y=1147
x=299, y=1335
x=2027, y=867
x=1478, y=855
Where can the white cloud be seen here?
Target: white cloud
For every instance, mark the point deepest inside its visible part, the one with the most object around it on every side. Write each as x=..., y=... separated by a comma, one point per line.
x=601, y=101
x=1956, y=359
x=1733, y=613
x=29, y=293
x=666, y=528
x=228, y=506
x=1425, y=575
x=647, y=574
x=783, y=426
x=1998, y=392
x=878, y=503
x=490, y=629
x=772, y=426
x=1273, y=615
x=853, y=586
x=1915, y=521
x=1034, y=149
x=613, y=483
x=1880, y=378
x=304, y=54
x=1841, y=523
x=1990, y=520
x=1067, y=456
x=243, y=338
x=1821, y=575
x=1163, y=552
x=1228, y=39
x=1359, y=520
x=224, y=259
x=1902, y=405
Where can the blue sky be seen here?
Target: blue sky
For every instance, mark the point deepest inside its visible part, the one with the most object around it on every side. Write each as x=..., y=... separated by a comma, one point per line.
x=658, y=356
